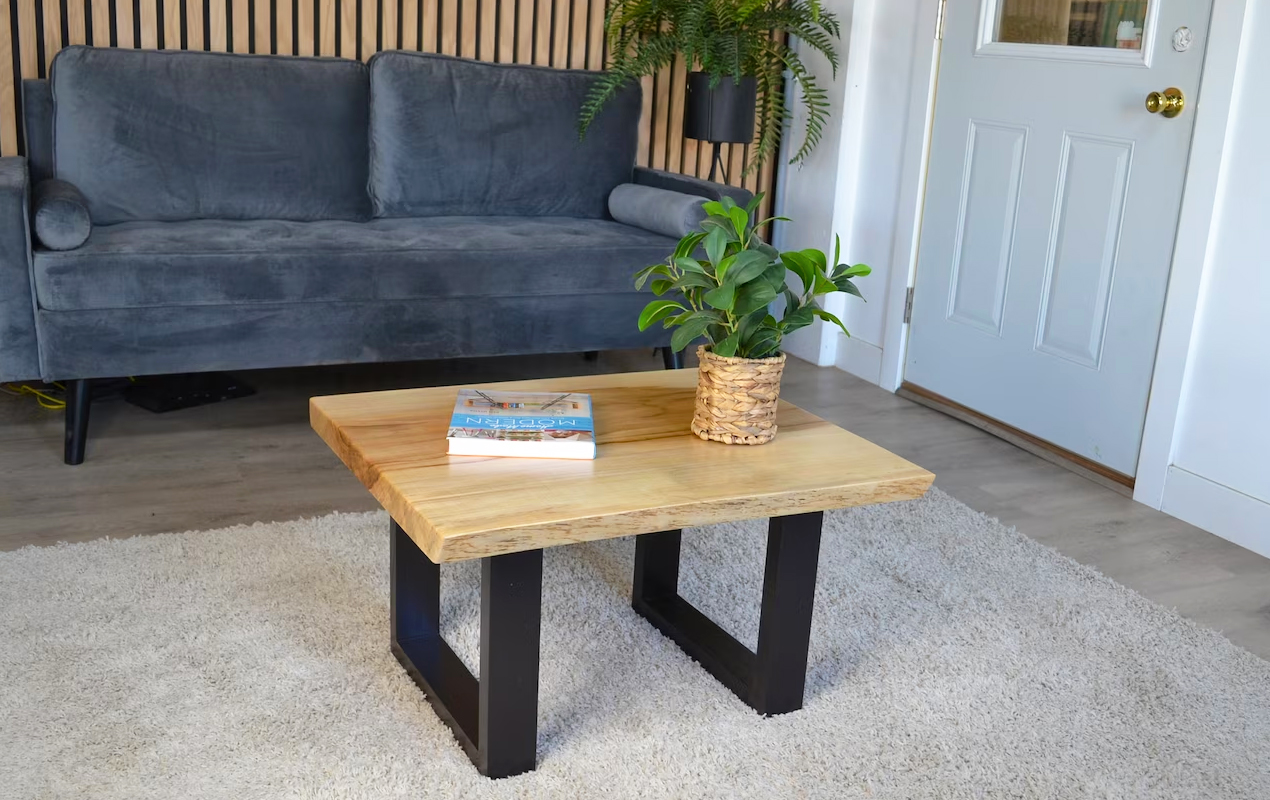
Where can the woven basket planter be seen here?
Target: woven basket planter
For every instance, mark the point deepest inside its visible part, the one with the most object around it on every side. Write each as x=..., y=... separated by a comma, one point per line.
x=736, y=398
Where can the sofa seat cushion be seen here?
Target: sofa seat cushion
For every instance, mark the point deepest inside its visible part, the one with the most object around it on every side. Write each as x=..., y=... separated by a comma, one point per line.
x=207, y=262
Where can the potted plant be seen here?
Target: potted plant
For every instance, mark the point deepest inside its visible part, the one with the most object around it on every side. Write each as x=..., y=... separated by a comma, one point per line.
x=738, y=51
x=724, y=298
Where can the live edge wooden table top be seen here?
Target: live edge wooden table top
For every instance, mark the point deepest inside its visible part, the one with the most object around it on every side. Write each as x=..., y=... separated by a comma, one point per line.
x=651, y=478
x=650, y=473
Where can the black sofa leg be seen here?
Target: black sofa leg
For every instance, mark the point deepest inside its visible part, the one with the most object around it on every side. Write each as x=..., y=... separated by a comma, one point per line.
x=79, y=396
x=671, y=359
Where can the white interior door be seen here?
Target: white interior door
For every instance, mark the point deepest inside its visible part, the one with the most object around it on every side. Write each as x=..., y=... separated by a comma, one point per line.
x=1051, y=208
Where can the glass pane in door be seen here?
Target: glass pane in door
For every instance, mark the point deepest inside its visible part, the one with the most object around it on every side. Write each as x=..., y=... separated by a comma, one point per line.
x=1077, y=23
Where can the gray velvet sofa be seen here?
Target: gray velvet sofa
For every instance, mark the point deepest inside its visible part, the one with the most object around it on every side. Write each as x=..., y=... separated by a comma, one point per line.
x=253, y=211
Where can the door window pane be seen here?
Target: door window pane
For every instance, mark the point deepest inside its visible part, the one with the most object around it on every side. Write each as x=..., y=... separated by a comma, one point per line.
x=1078, y=23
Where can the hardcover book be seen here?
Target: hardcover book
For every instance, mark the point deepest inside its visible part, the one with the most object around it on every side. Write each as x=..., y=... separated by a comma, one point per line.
x=522, y=425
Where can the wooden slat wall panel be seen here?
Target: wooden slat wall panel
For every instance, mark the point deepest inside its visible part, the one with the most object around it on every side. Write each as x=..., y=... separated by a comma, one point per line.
x=558, y=33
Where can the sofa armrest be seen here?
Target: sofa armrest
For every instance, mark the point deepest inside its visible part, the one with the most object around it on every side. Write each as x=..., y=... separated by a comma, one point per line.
x=690, y=185
x=19, y=354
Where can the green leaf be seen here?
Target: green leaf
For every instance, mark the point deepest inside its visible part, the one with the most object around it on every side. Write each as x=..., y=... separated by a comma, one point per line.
x=799, y=318
x=754, y=203
x=721, y=268
x=830, y=318
x=824, y=285
x=691, y=329
x=728, y=203
x=678, y=319
x=816, y=257
x=661, y=286
x=856, y=271
x=695, y=280
x=716, y=244
x=657, y=310
x=728, y=346
x=714, y=208
x=644, y=274
x=775, y=276
x=837, y=249
x=749, y=323
x=688, y=244
x=722, y=297
x=749, y=265
x=845, y=285
x=723, y=224
x=761, y=342
x=802, y=267
x=766, y=249
x=753, y=296
x=689, y=264
x=739, y=221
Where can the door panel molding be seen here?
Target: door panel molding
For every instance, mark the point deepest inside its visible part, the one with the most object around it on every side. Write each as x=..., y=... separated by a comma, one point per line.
x=981, y=263
x=1084, y=247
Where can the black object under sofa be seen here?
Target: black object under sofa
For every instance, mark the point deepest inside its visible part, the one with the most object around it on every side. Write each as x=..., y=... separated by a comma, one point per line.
x=190, y=212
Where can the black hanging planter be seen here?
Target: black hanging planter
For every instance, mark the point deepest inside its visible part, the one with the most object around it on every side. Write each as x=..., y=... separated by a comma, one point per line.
x=724, y=113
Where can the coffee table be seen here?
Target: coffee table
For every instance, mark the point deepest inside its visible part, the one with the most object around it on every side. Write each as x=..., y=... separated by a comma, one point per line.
x=651, y=479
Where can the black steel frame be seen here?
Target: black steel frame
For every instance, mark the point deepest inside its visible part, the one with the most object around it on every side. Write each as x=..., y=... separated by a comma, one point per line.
x=771, y=680
x=495, y=717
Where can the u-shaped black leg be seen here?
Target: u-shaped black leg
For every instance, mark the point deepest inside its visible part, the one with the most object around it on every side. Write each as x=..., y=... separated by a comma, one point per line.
x=671, y=359
x=79, y=396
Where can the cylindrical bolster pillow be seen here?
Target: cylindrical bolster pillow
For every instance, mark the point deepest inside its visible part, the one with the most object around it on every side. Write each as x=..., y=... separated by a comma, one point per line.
x=658, y=210
x=60, y=216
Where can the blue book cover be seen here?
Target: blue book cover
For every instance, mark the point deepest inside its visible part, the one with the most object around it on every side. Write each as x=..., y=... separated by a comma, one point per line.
x=522, y=424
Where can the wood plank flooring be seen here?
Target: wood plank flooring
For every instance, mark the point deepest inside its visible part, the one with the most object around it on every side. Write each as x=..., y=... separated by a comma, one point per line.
x=256, y=459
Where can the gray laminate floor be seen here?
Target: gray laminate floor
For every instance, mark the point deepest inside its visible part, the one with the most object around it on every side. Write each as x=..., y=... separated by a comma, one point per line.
x=255, y=459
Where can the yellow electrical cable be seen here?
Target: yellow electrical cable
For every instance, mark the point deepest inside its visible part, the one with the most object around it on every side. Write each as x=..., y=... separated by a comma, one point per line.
x=43, y=398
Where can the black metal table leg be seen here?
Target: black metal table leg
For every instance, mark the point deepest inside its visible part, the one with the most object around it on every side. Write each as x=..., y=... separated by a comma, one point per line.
x=772, y=680
x=495, y=718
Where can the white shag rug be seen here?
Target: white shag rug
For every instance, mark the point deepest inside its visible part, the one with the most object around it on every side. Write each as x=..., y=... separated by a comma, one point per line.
x=951, y=657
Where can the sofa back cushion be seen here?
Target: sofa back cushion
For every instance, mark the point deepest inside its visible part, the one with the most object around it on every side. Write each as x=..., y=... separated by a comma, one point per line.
x=163, y=135
x=450, y=137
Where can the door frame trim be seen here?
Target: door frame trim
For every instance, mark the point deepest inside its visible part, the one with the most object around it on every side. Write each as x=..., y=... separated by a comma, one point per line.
x=1205, y=172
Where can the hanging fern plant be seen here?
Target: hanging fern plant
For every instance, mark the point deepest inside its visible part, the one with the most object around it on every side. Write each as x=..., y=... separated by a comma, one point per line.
x=727, y=40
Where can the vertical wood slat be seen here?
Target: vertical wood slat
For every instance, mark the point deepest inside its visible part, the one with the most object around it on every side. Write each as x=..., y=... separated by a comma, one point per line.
x=149, y=12
x=240, y=32
x=101, y=23
x=559, y=33
x=171, y=24
x=76, y=26
x=305, y=28
x=123, y=24
x=347, y=46
x=370, y=29
x=9, y=100
x=218, y=28
x=326, y=26
x=194, y=32
x=284, y=36
x=263, y=39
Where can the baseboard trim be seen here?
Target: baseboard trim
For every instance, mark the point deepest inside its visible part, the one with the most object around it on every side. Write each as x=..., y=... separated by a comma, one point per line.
x=1052, y=453
x=1221, y=510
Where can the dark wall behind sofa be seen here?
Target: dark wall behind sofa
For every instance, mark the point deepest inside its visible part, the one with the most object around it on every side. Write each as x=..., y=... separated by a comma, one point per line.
x=558, y=33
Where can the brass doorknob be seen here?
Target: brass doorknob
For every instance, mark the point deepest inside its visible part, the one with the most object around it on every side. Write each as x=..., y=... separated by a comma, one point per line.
x=1168, y=103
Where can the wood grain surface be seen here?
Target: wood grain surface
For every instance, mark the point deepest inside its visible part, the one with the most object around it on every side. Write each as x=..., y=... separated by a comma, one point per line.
x=650, y=474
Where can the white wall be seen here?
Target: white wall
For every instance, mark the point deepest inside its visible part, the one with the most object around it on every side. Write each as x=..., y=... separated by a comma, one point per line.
x=853, y=185
x=1219, y=477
